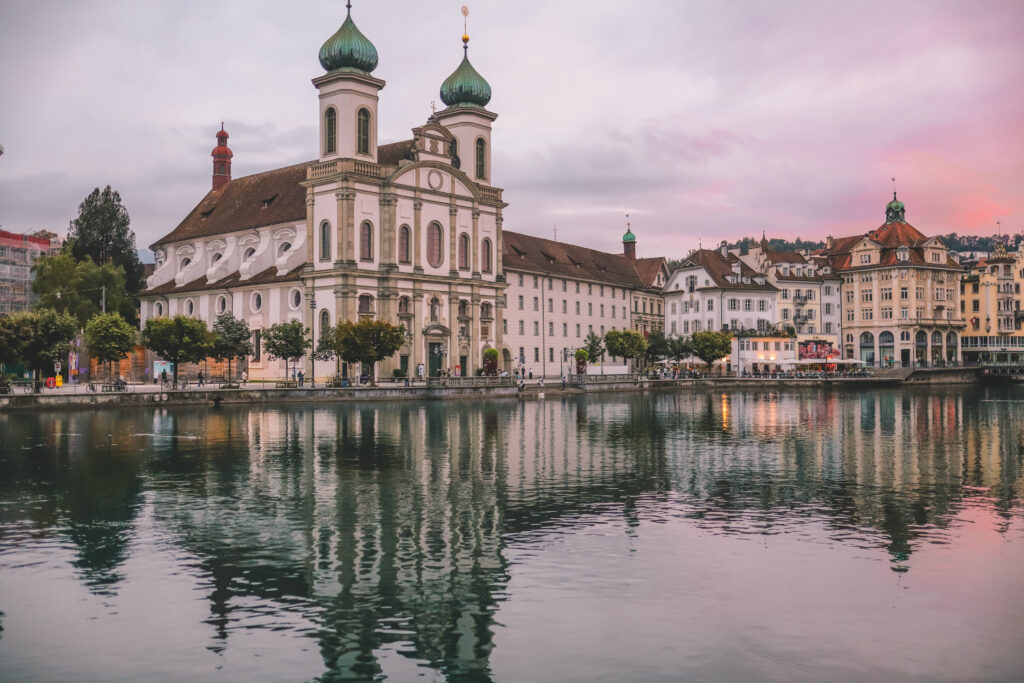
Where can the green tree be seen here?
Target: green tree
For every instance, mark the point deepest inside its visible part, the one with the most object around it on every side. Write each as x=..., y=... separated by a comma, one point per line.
x=490, y=363
x=81, y=287
x=368, y=341
x=594, y=346
x=679, y=348
x=102, y=232
x=179, y=340
x=581, y=361
x=16, y=331
x=287, y=341
x=710, y=346
x=232, y=339
x=628, y=344
x=109, y=338
x=52, y=334
x=657, y=347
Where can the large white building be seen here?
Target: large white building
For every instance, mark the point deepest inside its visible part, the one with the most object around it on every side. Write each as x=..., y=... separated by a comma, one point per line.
x=408, y=232
x=716, y=290
x=558, y=293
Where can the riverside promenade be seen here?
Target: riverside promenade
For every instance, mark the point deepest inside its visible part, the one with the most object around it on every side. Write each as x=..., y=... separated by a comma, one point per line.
x=78, y=396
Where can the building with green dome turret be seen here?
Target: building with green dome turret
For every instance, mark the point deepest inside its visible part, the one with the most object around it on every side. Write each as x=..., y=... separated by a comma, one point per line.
x=410, y=232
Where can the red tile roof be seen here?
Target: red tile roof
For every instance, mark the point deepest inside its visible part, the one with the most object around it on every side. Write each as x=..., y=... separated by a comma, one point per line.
x=721, y=267
x=889, y=237
x=539, y=255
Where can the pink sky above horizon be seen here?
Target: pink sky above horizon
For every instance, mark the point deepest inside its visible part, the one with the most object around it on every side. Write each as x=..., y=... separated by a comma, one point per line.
x=702, y=120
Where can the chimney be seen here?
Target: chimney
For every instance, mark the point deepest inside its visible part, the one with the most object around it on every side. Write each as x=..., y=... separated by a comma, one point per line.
x=221, y=160
x=725, y=249
x=828, y=243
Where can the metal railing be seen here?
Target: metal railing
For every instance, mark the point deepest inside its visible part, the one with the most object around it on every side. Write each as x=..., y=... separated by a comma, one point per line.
x=446, y=382
x=603, y=379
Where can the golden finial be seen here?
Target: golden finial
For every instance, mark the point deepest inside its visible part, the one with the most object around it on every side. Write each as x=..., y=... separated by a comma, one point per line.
x=465, y=30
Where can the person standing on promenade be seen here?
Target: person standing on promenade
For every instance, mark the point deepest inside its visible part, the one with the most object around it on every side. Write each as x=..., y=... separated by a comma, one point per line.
x=200, y=381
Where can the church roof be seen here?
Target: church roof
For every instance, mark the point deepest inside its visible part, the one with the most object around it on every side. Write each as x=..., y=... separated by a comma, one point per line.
x=264, y=277
x=539, y=255
x=253, y=201
x=267, y=198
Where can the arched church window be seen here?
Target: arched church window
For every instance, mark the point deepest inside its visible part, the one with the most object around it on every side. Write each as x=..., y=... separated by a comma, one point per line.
x=485, y=256
x=366, y=303
x=403, y=244
x=481, y=159
x=325, y=321
x=366, y=241
x=435, y=252
x=330, y=131
x=463, y=251
x=363, y=132
x=325, y=241
x=403, y=306
x=486, y=312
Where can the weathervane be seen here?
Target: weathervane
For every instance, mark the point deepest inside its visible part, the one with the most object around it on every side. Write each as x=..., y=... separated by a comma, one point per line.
x=894, y=186
x=465, y=30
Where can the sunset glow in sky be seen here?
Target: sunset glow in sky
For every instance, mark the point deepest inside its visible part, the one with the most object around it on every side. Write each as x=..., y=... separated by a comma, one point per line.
x=702, y=120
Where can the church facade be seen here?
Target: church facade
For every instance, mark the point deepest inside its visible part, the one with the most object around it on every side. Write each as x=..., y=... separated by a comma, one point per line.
x=408, y=232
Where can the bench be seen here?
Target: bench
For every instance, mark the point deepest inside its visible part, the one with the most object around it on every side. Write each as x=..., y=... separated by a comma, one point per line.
x=287, y=384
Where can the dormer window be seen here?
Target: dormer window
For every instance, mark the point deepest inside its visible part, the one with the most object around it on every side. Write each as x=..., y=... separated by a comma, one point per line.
x=903, y=254
x=267, y=202
x=865, y=259
x=206, y=214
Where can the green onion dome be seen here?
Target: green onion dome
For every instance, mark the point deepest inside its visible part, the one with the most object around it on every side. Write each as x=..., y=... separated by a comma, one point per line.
x=465, y=87
x=629, y=236
x=894, y=210
x=348, y=49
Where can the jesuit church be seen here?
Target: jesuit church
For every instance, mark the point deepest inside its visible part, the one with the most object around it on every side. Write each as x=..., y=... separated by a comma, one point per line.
x=409, y=232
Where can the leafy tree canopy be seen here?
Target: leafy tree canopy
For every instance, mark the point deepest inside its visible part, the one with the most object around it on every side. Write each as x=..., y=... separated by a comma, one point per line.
x=52, y=334
x=232, y=339
x=625, y=343
x=108, y=337
x=678, y=348
x=16, y=330
x=710, y=345
x=179, y=340
x=657, y=347
x=367, y=341
x=288, y=341
x=76, y=287
x=490, y=364
x=101, y=231
x=594, y=346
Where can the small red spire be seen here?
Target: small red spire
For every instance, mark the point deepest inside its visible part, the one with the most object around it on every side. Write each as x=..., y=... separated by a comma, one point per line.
x=221, y=159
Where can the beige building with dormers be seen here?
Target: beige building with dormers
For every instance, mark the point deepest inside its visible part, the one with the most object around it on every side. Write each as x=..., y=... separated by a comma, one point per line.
x=901, y=294
x=990, y=302
x=408, y=232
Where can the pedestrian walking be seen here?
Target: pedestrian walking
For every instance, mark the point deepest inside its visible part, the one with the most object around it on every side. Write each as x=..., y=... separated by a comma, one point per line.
x=200, y=380
x=302, y=377
x=245, y=376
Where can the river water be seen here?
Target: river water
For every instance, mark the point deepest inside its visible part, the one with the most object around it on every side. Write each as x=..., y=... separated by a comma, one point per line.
x=806, y=535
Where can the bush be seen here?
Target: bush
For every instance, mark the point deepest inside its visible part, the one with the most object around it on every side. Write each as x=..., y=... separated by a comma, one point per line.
x=399, y=373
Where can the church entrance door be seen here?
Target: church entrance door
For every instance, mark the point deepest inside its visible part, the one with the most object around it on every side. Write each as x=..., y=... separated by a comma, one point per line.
x=434, y=359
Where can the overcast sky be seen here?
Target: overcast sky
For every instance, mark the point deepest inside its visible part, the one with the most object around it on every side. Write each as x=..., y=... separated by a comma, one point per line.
x=703, y=120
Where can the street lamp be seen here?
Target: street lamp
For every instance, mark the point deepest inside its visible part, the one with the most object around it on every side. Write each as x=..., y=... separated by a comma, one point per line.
x=312, y=333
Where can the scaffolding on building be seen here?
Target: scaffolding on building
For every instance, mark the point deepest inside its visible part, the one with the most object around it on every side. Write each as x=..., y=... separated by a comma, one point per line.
x=17, y=254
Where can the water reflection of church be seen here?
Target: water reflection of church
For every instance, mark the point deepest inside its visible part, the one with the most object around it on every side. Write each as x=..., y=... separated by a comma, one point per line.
x=387, y=527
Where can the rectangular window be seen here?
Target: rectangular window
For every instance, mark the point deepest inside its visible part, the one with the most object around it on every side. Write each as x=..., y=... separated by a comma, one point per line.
x=747, y=305
x=590, y=309
x=565, y=306
x=577, y=288
x=504, y=326
x=590, y=288
x=613, y=311
x=551, y=329
x=828, y=309
x=577, y=308
x=551, y=305
x=520, y=302
x=565, y=285
x=711, y=305
x=849, y=315
x=551, y=355
x=551, y=284
x=602, y=290
x=577, y=329
x=904, y=293
x=785, y=314
x=975, y=305
x=602, y=310
x=734, y=304
x=565, y=329
x=257, y=345
x=522, y=354
x=520, y=279
x=536, y=304
x=867, y=314
x=867, y=296
x=849, y=297
x=536, y=354
x=886, y=314
x=536, y=328
x=762, y=305
x=521, y=324
x=535, y=282
x=828, y=328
